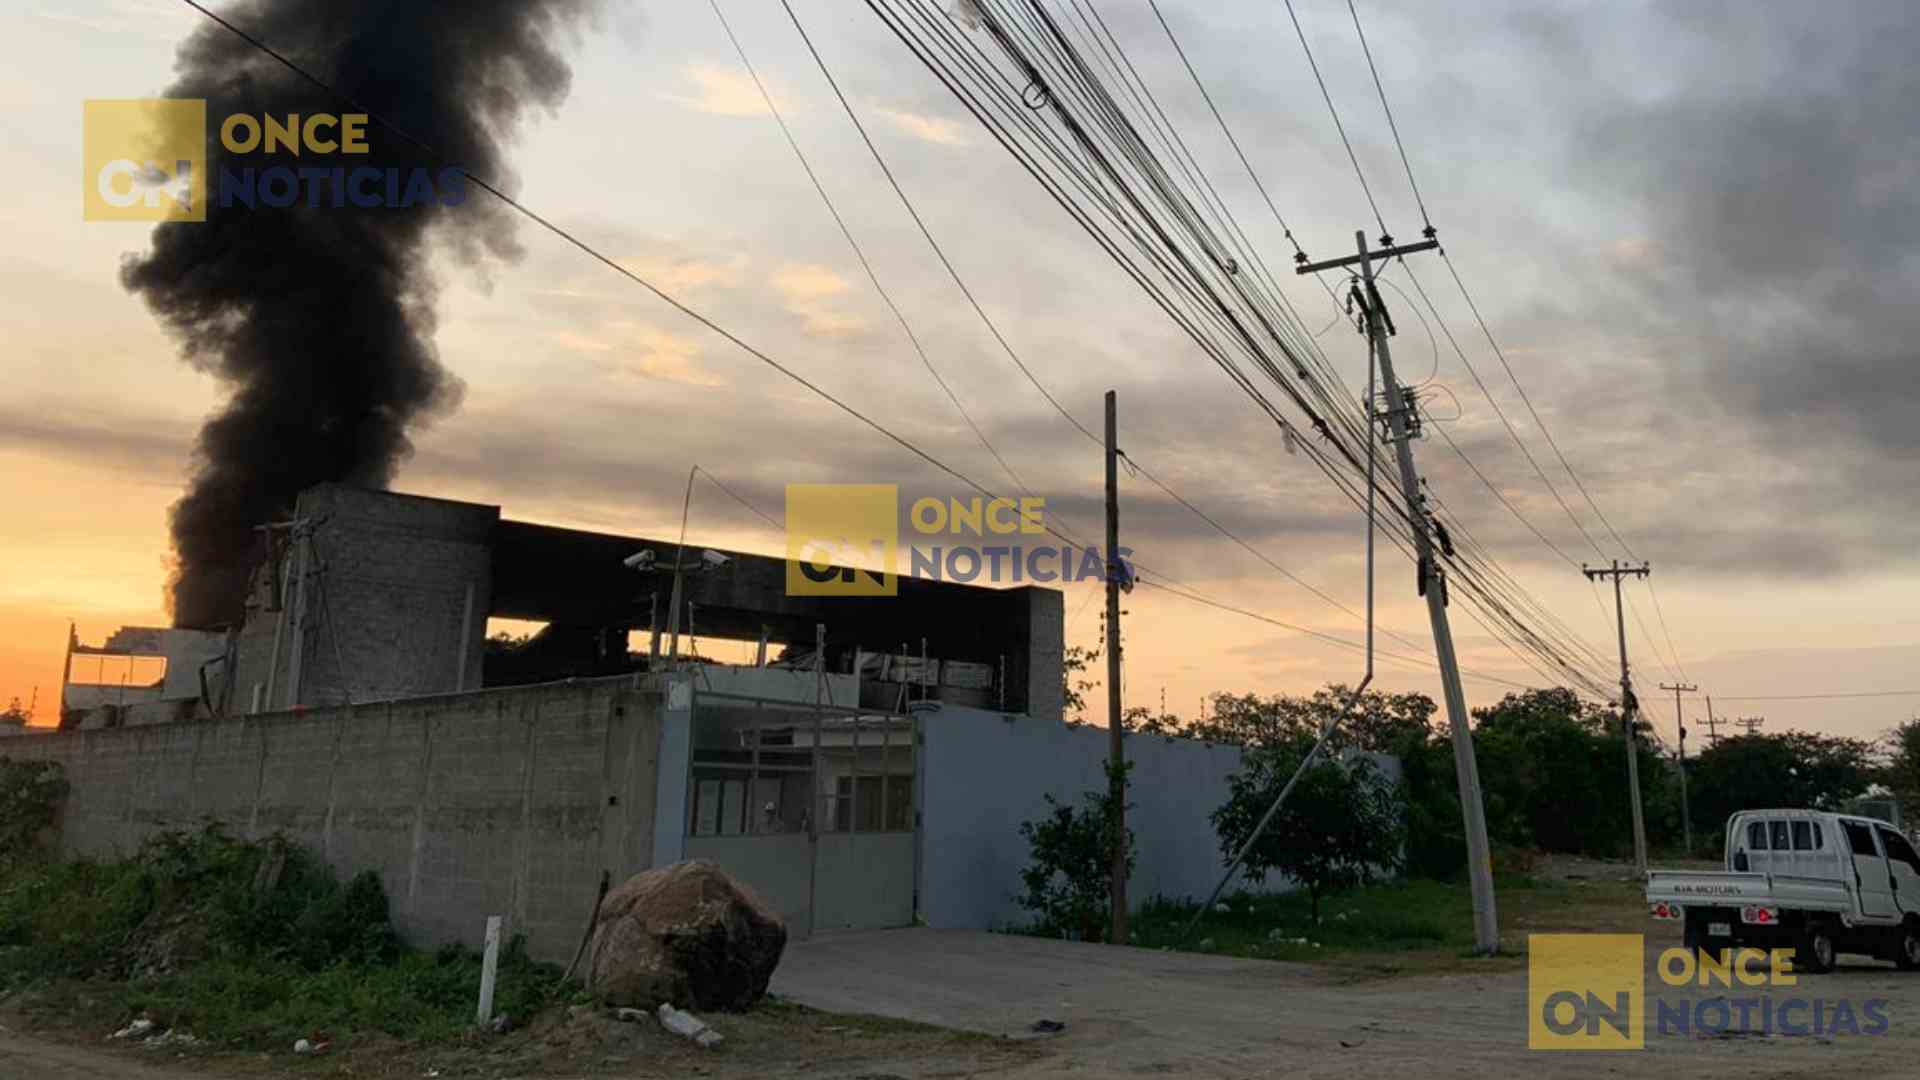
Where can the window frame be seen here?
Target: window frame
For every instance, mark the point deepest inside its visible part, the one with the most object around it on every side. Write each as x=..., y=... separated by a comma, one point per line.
x=1853, y=829
x=1892, y=836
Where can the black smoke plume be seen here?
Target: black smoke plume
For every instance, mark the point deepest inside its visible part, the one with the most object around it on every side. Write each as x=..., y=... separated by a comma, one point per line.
x=320, y=319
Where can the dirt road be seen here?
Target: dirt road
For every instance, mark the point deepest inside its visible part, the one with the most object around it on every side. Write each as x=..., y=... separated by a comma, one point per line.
x=1135, y=1012
x=1131, y=1012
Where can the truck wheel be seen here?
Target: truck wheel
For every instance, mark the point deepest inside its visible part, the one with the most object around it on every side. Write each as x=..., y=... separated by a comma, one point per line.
x=1817, y=951
x=1906, y=949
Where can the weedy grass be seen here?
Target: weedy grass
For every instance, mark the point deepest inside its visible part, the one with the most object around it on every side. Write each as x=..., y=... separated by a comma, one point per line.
x=243, y=943
x=1403, y=927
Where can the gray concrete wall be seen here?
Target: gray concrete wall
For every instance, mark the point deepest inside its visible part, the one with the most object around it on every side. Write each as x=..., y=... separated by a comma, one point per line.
x=393, y=590
x=984, y=774
x=507, y=802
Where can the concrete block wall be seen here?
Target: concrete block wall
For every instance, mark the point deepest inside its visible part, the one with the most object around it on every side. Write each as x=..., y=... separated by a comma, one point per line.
x=500, y=803
x=393, y=589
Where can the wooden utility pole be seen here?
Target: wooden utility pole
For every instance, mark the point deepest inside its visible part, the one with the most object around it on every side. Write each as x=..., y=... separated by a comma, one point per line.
x=1686, y=819
x=1116, y=734
x=1629, y=707
x=1403, y=425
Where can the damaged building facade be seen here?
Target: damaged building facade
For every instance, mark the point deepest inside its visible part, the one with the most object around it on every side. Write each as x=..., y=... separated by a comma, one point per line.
x=866, y=764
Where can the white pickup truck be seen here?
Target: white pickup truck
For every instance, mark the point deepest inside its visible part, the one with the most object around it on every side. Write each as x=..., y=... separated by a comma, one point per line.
x=1819, y=883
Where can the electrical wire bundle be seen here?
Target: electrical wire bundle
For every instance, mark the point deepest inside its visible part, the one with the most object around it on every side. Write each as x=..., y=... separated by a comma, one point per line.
x=1056, y=89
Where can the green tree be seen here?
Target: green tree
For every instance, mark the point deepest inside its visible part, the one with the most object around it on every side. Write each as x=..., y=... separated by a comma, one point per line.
x=1069, y=873
x=1074, y=664
x=1790, y=769
x=1340, y=827
x=1901, y=774
x=1553, y=776
x=1383, y=723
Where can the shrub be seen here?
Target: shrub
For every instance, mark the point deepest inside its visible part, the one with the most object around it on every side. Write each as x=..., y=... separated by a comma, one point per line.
x=1069, y=877
x=30, y=796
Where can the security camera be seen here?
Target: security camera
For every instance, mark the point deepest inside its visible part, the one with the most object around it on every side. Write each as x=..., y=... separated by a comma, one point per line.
x=715, y=559
x=639, y=560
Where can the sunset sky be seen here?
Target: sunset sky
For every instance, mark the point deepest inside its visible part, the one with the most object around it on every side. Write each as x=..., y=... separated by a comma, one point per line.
x=1690, y=226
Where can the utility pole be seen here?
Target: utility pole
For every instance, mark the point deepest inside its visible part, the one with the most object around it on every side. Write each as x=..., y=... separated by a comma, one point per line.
x=1713, y=725
x=1402, y=425
x=1629, y=707
x=1116, y=736
x=1751, y=723
x=1686, y=819
x=679, y=571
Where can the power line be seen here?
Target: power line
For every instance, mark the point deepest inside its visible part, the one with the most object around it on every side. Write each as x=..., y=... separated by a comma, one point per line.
x=1425, y=664
x=1546, y=432
x=1425, y=218
x=737, y=498
x=1662, y=616
x=1819, y=697
x=924, y=230
x=671, y=301
x=953, y=272
x=859, y=252
x=1202, y=281
x=1385, y=239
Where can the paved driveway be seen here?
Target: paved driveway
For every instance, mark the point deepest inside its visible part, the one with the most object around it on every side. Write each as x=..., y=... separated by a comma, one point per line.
x=1137, y=1011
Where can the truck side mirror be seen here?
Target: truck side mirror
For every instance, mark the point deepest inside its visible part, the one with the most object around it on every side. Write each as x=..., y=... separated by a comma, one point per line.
x=1740, y=861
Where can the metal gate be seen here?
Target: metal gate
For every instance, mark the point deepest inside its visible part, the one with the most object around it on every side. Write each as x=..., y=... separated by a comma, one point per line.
x=813, y=806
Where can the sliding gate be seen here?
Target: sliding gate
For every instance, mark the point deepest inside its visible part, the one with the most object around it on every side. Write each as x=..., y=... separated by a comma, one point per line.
x=815, y=807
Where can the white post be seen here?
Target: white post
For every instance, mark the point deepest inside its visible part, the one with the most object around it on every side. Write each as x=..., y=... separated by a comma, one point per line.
x=489, y=966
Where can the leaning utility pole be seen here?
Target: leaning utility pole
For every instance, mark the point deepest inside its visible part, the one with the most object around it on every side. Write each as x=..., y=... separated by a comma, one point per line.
x=1402, y=424
x=1116, y=736
x=1713, y=725
x=1686, y=819
x=1629, y=707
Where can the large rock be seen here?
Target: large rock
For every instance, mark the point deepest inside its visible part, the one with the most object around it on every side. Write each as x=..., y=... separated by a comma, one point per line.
x=687, y=934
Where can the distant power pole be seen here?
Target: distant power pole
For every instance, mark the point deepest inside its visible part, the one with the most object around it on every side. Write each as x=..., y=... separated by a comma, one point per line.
x=1751, y=723
x=1686, y=818
x=1402, y=424
x=1713, y=724
x=1629, y=707
x=1116, y=736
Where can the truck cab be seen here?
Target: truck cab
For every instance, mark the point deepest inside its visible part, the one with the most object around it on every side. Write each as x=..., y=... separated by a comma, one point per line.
x=1817, y=882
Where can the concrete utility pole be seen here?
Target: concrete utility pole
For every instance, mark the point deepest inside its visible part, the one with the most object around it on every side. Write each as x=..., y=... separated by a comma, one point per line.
x=1713, y=725
x=1402, y=424
x=1629, y=707
x=679, y=571
x=1116, y=735
x=1686, y=819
